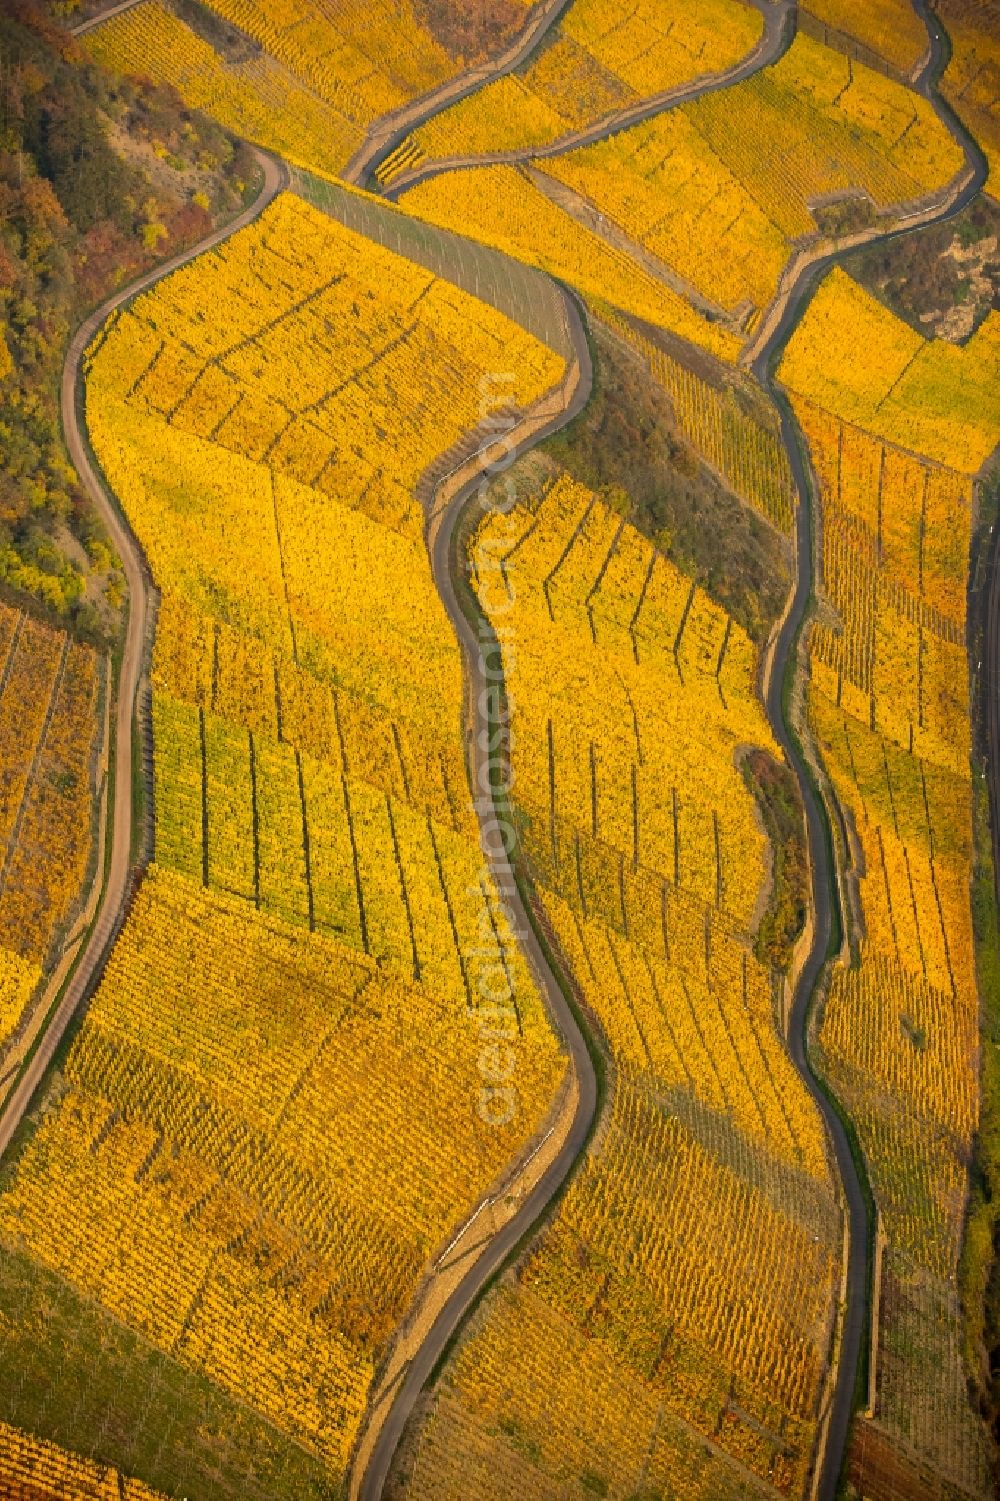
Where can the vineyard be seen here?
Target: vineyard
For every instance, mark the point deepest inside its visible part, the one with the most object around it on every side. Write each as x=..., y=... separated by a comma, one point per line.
x=890, y=28
x=745, y=451
x=889, y=708
x=502, y=207
x=674, y=1319
x=304, y=80
x=933, y=398
x=319, y=896
x=526, y=1055
x=722, y=189
x=37, y=1471
x=371, y=55
x=247, y=1179
x=49, y=731
x=597, y=62
x=255, y=97
x=970, y=82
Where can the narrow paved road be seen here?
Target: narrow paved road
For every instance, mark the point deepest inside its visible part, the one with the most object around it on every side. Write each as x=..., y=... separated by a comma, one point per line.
x=441, y=547
x=823, y=886
x=779, y=29
x=820, y=848
x=390, y=131
x=109, y=911
x=383, y=139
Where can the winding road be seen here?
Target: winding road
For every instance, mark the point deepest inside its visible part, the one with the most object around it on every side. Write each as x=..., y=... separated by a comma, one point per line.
x=820, y=844
x=535, y=1204
x=111, y=907
x=765, y=357
x=389, y=131
x=382, y=139
x=990, y=693
x=775, y=40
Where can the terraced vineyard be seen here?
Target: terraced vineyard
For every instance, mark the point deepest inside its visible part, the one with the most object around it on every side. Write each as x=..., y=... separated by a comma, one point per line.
x=749, y=174
x=886, y=30
x=303, y=80
x=32, y=1469
x=498, y=1065
x=744, y=449
x=595, y=63
x=752, y=163
x=889, y=705
x=506, y=208
x=312, y=818
x=642, y=841
x=970, y=84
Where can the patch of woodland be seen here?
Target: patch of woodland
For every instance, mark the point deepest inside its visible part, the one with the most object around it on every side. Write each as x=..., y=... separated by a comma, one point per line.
x=101, y=177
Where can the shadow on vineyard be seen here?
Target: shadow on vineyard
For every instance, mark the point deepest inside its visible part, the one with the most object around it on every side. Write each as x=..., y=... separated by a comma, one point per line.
x=231, y=44
x=626, y=446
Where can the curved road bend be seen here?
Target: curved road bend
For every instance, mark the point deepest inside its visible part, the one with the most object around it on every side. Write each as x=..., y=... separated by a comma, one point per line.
x=773, y=44
x=779, y=29
x=440, y=545
x=819, y=847
x=390, y=131
x=137, y=578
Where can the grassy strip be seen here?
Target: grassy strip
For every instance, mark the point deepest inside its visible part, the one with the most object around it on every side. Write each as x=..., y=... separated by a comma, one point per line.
x=777, y=795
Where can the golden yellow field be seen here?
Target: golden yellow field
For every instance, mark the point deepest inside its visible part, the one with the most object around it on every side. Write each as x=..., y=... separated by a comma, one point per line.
x=598, y=61
x=720, y=189
x=49, y=738
x=890, y=28
x=497, y=835
x=936, y=399
x=970, y=82
x=504, y=208
x=685, y=1289
x=301, y=78
x=226, y=1173
x=33, y=1470
x=256, y=97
